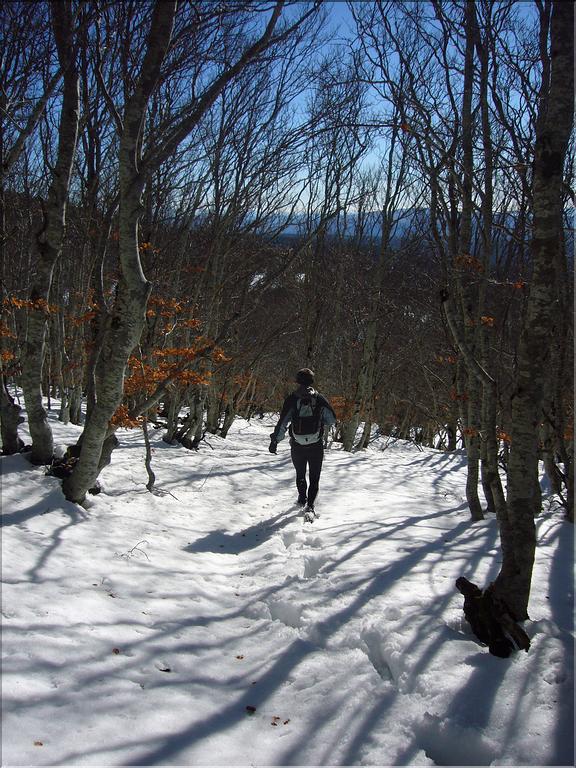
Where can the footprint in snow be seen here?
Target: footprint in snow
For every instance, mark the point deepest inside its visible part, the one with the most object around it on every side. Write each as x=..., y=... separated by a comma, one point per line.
x=313, y=564
x=373, y=646
x=289, y=538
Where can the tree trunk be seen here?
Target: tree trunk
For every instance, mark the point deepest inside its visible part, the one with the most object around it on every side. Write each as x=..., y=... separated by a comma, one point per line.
x=173, y=407
x=75, y=397
x=10, y=418
x=191, y=432
x=466, y=283
x=478, y=377
x=229, y=416
x=212, y=412
x=121, y=336
x=49, y=240
x=491, y=483
x=553, y=134
x=363, y=387
x=148, y=457
x=124, y=327
x=364, y=441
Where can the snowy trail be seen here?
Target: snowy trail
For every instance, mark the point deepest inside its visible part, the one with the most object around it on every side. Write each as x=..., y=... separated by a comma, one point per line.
x=212, y=626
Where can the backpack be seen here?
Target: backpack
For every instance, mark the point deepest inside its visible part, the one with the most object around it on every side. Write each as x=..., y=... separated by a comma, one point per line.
x=306, y=426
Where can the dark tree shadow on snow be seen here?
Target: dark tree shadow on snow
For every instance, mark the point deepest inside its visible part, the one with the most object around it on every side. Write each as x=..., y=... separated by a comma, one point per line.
x=249, y=538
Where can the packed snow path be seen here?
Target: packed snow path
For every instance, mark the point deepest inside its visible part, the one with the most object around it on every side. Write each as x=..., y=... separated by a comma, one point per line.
x=209, y=625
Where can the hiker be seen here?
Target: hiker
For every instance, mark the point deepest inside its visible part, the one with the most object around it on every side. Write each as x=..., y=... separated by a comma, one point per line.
x=307, y=412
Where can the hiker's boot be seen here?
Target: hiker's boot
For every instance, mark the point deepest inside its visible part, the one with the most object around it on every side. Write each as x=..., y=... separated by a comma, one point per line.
x=309, y=513
x=311, y=510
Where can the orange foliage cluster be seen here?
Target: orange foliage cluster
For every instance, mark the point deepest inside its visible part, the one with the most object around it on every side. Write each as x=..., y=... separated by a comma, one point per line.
x=5, y=332
x=172, y=364
x=502, y=435
x=148, y=247
x=242, y=380
x=172, y=304
x=38, y=304
x=470, y=432
x=164, y=307
x=192, y=323
x=145, y=378
x=457, y=396
x=218, y=356
x=186, y=354
x=10, y=364
x=471, y=263
x=83, y=318
x=121, y=418
x=342, y=407
x=488, y=321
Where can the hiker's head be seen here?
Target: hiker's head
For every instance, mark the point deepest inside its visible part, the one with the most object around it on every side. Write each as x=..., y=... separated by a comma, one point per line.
x=305, y=377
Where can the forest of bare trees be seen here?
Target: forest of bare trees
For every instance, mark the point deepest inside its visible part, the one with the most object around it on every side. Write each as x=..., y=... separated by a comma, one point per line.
x=197, y=199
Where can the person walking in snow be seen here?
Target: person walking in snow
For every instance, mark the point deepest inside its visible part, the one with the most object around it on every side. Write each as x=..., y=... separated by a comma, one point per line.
x=307, y=412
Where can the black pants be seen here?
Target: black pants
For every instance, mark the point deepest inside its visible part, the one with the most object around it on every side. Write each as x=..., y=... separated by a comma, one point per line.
x=310, y=456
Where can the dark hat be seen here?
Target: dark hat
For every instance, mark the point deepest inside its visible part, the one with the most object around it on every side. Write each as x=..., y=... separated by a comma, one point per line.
x=305, y=376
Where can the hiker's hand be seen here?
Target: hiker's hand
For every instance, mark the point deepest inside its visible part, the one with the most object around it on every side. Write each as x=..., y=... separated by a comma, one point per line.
x=273, y=445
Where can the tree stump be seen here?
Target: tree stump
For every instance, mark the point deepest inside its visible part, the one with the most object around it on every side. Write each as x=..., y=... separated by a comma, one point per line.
x=490, y=620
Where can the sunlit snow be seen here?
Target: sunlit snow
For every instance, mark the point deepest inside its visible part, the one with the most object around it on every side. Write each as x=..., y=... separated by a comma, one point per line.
x=207, y=624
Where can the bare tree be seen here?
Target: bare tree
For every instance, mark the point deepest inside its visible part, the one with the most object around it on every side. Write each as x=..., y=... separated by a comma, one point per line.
x=26, y=85
x=553, y=134
x=50, y=238
x=136, y=161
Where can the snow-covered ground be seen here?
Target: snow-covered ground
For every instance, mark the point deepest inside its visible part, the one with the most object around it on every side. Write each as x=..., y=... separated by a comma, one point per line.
x=209, y=625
